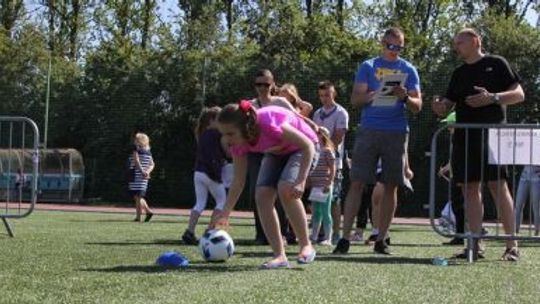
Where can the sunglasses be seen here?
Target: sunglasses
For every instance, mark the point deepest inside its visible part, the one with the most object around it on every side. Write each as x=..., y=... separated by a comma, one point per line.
x=262, y=84
x=394, y=47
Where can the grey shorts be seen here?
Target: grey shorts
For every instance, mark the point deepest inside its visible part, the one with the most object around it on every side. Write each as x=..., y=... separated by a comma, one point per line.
x=369, y=146
x=276, y=168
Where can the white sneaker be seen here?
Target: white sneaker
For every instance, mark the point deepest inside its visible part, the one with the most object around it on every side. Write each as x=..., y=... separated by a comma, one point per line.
x=326, y=243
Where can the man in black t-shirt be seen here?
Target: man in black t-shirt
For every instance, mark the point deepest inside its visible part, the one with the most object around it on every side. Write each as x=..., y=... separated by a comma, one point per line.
x=480, y=89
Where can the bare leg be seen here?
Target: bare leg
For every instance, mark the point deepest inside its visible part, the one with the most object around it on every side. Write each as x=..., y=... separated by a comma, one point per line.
x=138, y=210
x=266, y=198
x=499, y=190
x=193, y=219
x=144, y=206
x=388, y=208
x=376, y=202
x=352, y=204
x=473, y=206
x=336, y=216
x=297, y=217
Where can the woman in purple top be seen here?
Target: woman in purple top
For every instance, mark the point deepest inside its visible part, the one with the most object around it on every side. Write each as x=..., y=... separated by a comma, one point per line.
x=289, y=146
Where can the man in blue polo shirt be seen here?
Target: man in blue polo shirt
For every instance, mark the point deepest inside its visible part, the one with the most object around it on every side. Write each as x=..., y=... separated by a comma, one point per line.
x=382, y=134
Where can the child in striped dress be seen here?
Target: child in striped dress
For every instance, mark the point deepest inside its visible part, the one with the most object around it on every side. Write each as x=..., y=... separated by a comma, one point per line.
x=321, y=180
x=141, y=165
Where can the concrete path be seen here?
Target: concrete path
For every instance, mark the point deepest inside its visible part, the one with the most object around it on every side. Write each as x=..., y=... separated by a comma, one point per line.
x=164, y=211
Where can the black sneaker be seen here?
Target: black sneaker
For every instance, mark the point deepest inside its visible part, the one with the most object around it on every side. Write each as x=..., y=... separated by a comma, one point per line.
x=387, y=241
x=342, y=247
x=382, y=248
x=189, y=238
x=372, y=238
x=261, y=241
x=148, y=217
x=454, y=242
x=511, y=255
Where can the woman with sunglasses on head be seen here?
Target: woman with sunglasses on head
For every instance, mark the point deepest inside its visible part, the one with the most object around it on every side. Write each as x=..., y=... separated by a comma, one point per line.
x=290, y=149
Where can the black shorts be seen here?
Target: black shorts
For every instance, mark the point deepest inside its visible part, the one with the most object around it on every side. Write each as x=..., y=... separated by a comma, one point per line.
x=470, y=158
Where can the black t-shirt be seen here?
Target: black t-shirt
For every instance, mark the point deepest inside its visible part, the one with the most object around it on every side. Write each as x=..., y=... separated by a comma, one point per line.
x=492, y=73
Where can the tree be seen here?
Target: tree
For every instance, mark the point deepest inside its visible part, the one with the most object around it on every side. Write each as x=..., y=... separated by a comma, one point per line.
x=10, y=12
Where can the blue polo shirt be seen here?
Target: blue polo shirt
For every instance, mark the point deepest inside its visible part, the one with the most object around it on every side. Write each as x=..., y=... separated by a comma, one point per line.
x=390, y=118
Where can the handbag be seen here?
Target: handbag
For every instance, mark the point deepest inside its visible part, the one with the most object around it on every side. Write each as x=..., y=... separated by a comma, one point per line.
x=317, y=194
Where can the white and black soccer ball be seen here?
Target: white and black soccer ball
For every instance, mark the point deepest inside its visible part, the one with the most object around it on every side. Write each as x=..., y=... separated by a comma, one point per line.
x=216, y=246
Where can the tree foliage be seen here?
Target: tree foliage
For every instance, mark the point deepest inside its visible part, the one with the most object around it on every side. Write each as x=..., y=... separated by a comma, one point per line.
x=125, y=66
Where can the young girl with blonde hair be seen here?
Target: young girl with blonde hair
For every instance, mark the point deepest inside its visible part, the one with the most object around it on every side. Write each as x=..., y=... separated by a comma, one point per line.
x=141, y=165
x=289, y=92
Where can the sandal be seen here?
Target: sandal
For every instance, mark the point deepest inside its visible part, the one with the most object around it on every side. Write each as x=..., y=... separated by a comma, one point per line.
x=308, y=258
x=275, y=265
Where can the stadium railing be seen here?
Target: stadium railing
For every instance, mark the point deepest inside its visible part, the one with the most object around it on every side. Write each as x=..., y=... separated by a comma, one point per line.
x=512, y=146
x=19, y=163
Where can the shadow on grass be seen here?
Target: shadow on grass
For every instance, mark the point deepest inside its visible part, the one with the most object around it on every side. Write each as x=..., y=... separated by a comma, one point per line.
x=138, y=243
x=375, y=259
x=415, y=245
x=155, y=219
x=199, y=267
x=263, y=254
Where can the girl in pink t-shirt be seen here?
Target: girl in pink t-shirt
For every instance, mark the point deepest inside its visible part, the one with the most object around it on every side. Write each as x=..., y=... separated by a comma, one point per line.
x=290, y=147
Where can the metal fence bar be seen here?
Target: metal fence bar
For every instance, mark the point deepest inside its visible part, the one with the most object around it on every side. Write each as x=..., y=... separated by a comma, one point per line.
x=514, y=160
x=7, y=172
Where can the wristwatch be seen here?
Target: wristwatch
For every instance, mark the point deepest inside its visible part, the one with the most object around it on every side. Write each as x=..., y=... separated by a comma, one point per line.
x=496, y=98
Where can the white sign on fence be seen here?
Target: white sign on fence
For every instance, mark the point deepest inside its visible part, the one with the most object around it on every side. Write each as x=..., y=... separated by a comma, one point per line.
x=513, y=146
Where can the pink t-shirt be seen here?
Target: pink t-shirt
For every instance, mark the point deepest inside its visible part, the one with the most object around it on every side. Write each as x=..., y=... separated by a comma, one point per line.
x=270, y=119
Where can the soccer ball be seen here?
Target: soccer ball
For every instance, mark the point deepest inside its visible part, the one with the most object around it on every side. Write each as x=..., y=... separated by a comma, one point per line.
x=216, y=246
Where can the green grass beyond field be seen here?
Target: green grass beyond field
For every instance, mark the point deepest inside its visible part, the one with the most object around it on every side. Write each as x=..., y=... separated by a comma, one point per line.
x=59, y=257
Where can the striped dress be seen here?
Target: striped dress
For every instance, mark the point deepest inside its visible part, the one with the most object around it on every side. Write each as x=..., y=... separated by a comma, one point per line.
x=320, y=175
x=137, y=181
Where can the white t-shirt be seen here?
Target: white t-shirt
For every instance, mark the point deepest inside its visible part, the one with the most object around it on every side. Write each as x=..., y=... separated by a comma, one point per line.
x=333, y=119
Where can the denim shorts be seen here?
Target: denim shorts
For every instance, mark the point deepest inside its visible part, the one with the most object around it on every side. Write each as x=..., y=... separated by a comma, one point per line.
x=276, y=168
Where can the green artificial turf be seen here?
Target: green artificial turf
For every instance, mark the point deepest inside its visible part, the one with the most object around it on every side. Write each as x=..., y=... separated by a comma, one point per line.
x=72, y=257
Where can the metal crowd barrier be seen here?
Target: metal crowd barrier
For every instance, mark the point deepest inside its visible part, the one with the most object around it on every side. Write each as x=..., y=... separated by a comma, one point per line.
x=19, y=165
x=514, y=146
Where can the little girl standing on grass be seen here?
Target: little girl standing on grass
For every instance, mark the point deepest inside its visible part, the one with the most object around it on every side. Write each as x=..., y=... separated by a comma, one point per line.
x=321, y=179
x=211, y=158
x=141, y=165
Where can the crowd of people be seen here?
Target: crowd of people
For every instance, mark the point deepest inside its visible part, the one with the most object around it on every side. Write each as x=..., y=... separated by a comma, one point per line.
x=285, y=154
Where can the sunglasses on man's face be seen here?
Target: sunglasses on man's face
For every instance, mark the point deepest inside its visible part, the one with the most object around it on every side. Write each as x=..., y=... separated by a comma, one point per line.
x=394, y=47
x=262, y=84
